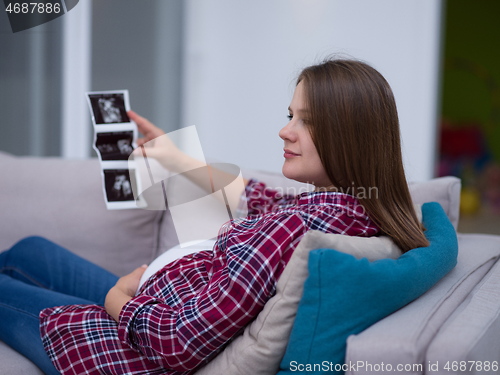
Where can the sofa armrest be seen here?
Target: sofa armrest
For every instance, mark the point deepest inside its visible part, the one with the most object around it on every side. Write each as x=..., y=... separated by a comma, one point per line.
x=471, y=333
x=403, y=337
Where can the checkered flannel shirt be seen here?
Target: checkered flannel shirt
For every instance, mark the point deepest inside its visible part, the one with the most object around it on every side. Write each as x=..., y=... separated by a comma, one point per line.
x=189, y=310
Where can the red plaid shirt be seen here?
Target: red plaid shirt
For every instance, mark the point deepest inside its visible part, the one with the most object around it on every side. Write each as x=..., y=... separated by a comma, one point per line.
x=185, y=313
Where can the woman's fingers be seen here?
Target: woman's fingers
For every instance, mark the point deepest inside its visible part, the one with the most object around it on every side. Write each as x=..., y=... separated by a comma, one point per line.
x=146, y=128
x=162, y=148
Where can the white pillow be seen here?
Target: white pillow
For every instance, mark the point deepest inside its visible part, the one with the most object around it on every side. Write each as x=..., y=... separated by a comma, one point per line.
x=262, y=345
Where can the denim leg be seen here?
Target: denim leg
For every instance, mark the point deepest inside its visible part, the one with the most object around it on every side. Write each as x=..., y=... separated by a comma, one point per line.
x=20, y=305
x=35, y=274
x=40, y=262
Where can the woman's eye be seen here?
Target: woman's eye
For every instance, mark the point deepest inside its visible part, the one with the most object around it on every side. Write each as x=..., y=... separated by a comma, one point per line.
x=290, y=117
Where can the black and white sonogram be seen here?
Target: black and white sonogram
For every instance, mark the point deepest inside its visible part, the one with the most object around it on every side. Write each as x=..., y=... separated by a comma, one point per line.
x=118, y=185
x=114, y=145
x=108, y=108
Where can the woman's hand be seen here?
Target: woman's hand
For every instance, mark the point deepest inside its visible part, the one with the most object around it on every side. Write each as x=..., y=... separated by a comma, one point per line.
x=159, y=146
x=123, y=291
x=146, y=128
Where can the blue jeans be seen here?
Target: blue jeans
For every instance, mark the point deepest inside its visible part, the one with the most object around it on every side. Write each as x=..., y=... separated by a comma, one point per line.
x=35, y=274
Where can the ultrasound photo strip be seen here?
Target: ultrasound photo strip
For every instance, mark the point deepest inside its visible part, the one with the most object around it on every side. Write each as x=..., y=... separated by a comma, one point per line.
x=114, y=145
x=109, y=107
x=118, y=185
x=115, y=138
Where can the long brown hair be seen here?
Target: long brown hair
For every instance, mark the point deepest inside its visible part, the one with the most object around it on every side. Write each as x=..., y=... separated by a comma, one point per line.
x=355, y=127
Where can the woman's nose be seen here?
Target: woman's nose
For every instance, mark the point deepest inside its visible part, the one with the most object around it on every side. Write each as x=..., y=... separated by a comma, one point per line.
x=286, y=132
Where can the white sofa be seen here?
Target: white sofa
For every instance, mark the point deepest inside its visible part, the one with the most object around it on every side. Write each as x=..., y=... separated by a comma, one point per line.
x=457, y=320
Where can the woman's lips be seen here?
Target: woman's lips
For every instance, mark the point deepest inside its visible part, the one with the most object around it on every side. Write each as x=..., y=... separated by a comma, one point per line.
x=289, y=154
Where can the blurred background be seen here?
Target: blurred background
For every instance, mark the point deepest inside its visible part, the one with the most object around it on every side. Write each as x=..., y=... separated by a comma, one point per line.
x=229, y=68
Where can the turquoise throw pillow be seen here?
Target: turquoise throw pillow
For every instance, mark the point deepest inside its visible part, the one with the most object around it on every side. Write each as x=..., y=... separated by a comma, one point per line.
x=344, y=295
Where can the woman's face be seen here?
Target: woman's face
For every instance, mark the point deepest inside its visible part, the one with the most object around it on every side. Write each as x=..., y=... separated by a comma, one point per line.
x=302, y=162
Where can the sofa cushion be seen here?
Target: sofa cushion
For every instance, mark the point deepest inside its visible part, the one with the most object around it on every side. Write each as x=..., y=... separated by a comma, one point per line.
x=444, y=190
x=344, y=295
x=13, y=363
x=63, y=201
x=261, y=346
x=476, y=321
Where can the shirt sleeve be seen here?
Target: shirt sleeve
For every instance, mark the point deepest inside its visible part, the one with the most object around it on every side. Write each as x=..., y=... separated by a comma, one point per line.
x=262, y=199
x=184, y=338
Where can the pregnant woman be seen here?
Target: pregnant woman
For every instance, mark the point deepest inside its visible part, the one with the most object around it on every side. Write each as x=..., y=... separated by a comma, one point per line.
x=72, y=317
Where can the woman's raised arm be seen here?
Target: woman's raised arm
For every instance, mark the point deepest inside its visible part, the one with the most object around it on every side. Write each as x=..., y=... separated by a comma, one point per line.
x=156, y=144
